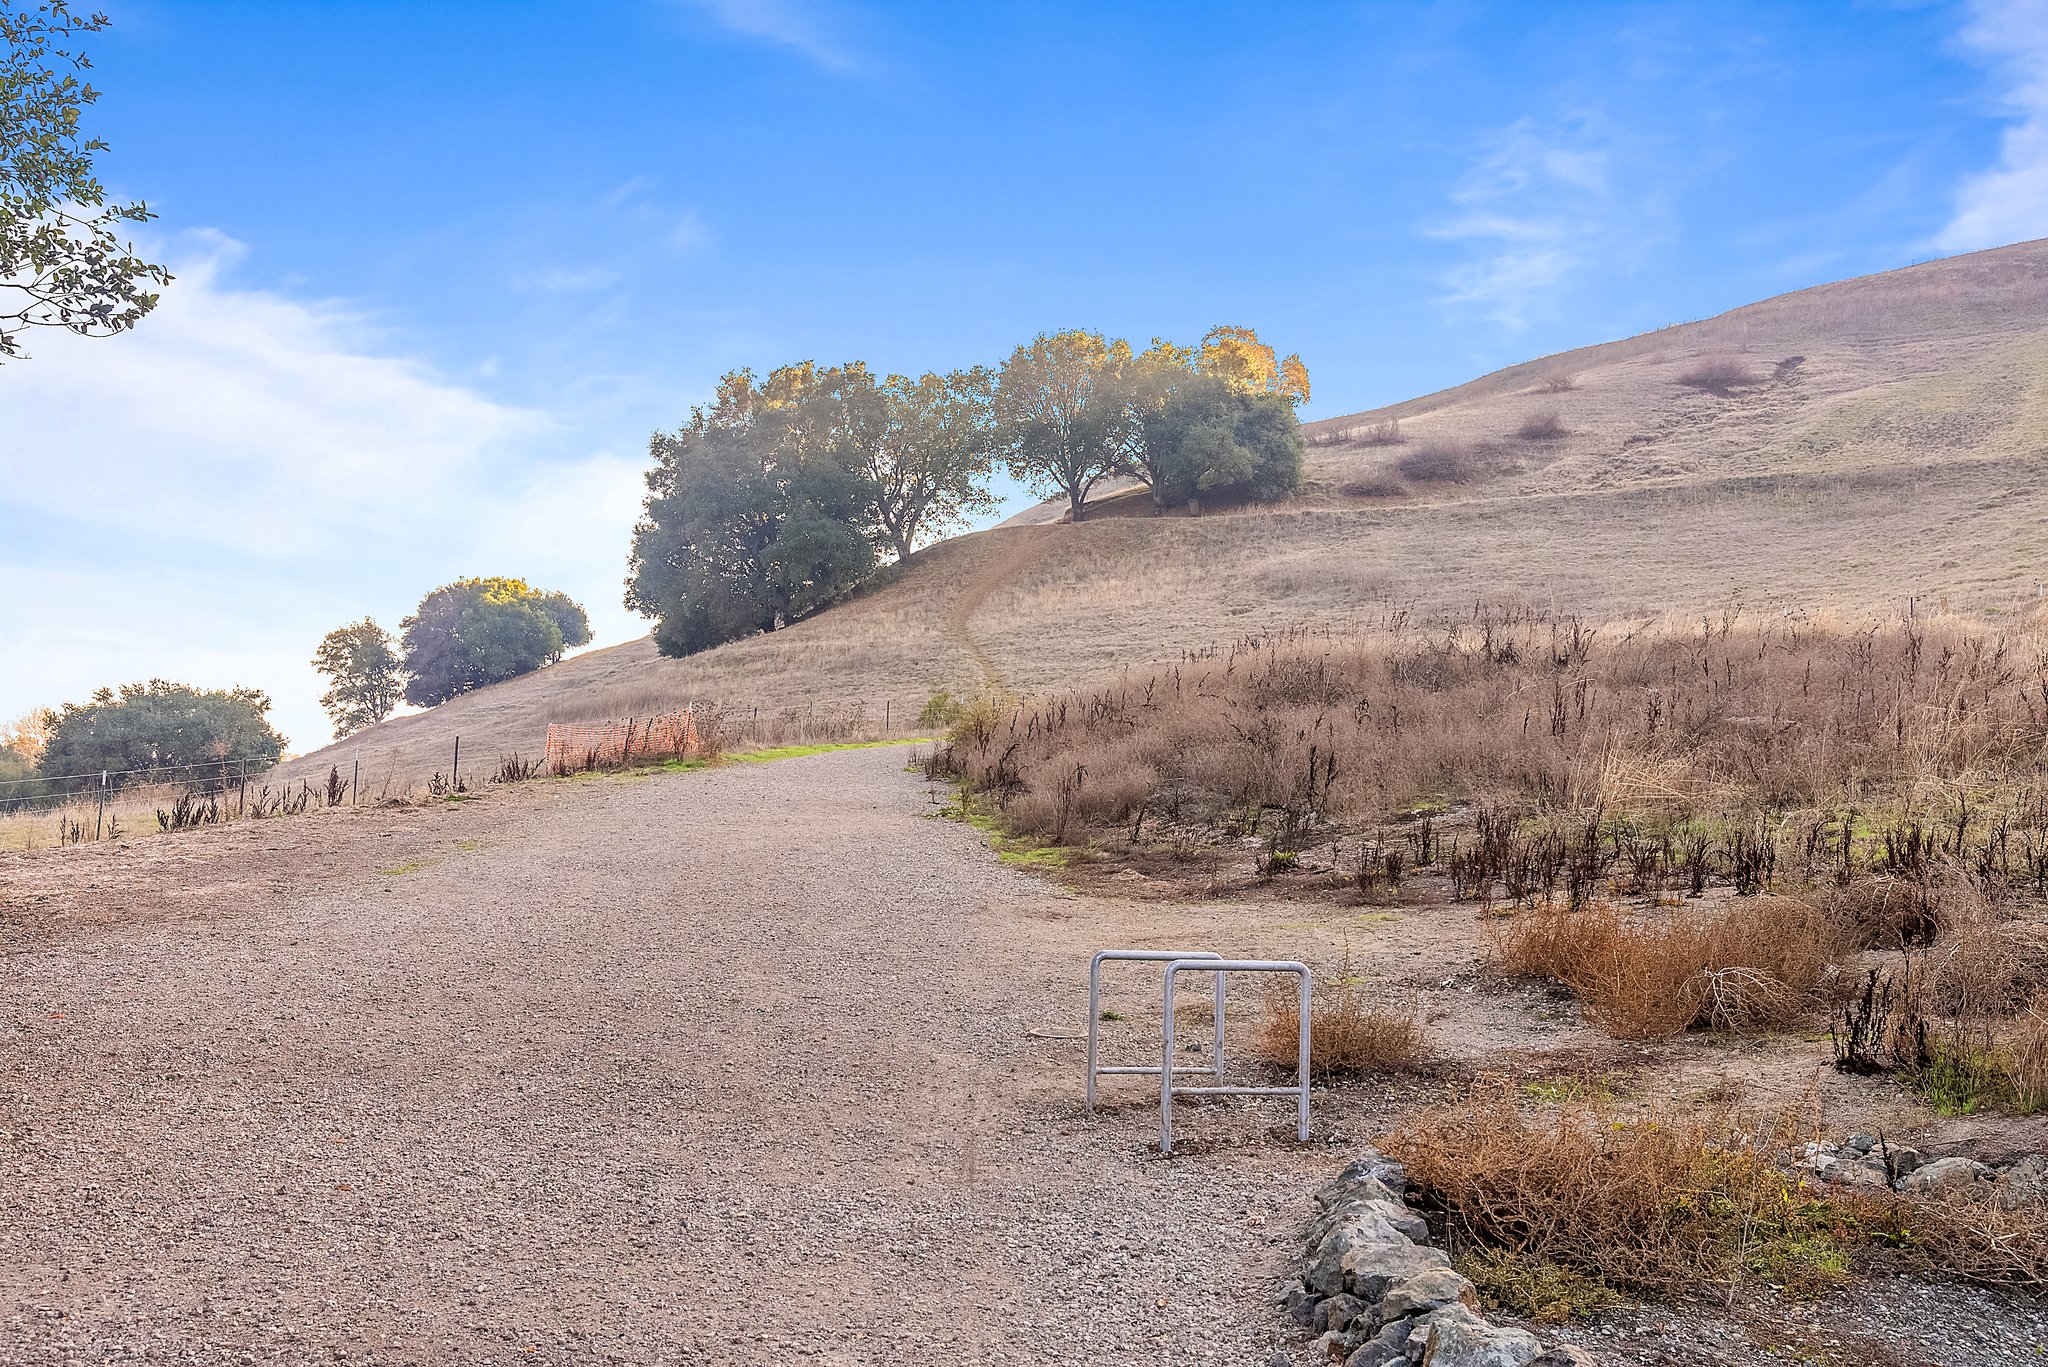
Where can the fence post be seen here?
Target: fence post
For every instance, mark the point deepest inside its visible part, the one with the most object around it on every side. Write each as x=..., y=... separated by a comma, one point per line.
x=355, y=781
x=455, y=769
x=100, y=814
x=885, y=716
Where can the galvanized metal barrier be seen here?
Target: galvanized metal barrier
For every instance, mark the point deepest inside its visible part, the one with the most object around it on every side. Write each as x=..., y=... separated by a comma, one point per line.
x=1209, y=963
x=1163, y=956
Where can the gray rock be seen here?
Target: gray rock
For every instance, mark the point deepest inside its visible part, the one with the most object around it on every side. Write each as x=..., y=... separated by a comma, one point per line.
x=1392, y=1211
x=1323, y=1269
x=1336, y=1345
x=1903, y=1159
x=1372, y=1270
x=1338, y=1312
x=1372, y=1164
x=1459, y=1338
x=1860, y=1143
x=1390, y=1345
x=1944, y=1174
x=1301, y=1307
x=1563, y=1355
x=2022, y=1183
x=1858, y=1173
x=1428, y=1291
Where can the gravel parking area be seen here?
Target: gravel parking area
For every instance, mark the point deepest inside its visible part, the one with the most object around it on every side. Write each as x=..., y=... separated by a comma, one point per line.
x=738, y=1066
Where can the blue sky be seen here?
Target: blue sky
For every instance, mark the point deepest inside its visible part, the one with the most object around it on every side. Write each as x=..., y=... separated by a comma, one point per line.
x=443, y=267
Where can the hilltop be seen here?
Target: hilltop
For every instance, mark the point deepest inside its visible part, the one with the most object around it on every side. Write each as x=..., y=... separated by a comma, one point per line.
x=1847, y=447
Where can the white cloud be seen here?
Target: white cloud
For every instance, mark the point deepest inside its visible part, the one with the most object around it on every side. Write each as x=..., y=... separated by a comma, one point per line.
x=1534, y=210
x=2009, y=202
x=795, y=24
x=206, y=496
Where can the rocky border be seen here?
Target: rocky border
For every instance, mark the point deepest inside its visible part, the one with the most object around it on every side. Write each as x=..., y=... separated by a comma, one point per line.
x=1864, y=1160
x=1380, y=1294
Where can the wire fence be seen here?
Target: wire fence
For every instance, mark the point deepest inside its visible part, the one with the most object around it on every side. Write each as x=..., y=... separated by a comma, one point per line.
x=207, y=778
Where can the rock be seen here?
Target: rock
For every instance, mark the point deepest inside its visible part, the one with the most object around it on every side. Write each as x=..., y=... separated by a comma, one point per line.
x=1390, y=1345
x=1372, y=1270
x=1335, y=1346
x=1301, y=1305
x=1945, y=1174
x=1563, y=1355
x=1818, y=1157
x=1459, y=1338
x=1392, y=1212
x=1859, y=1143
x=1337, y=1312
x=2023, y=1183
x=1858, y=1173
x=1903, y=1159
x=1323, y=1268
x=1370, y=1164
x=1427, y=1291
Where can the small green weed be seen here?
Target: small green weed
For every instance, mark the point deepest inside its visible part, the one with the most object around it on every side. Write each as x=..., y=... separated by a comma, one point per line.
x=1564, y=1091
x=1113, y=1016
x=410, y=866
x=1537, y=1290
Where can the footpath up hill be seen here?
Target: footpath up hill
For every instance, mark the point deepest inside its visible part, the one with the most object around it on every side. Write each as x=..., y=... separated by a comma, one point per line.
x=1844, y=447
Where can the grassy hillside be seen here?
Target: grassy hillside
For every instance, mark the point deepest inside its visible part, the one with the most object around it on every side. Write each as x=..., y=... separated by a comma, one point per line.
x=1845, y=447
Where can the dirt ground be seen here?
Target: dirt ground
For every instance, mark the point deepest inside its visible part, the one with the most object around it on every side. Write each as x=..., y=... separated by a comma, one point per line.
x=755, y=1065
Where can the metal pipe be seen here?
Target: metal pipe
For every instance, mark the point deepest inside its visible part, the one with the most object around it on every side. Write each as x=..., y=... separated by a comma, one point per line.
x=1204, y=963
x=1095, y=1004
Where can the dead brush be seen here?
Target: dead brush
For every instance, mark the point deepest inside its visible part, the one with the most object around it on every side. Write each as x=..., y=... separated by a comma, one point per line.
x=1759, y=965
x=1352, y=1031
x=1655, y=1203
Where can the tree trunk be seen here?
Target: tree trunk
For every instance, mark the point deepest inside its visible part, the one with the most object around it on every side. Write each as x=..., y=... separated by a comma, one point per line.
x=1074, y=500
x=1194, y=505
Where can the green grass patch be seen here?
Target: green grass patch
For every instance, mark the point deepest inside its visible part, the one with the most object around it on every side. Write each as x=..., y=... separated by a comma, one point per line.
x=1564, y=1091
x=1545, y=1292
x=1034, y=856
x=410, y=866
x=775, y=752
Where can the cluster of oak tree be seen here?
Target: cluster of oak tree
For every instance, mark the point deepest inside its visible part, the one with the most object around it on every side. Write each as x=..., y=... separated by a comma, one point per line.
x=462, y=636
x=784, y=494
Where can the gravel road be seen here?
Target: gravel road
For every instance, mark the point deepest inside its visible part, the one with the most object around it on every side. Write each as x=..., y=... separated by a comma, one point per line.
x=724, y=1067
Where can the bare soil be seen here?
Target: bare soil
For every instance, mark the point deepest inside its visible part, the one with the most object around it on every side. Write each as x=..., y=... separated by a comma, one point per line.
x=761, y=1064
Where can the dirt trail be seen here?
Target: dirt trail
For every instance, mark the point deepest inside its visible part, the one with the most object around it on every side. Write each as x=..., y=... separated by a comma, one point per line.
x=725, y=1067
x=1027, y=545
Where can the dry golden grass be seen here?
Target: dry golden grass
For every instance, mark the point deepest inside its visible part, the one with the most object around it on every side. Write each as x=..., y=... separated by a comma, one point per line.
x=1669, y=1204
x=1351, y=1031
x=1894, y=459
x=1758, y=964
x=1654, y=1203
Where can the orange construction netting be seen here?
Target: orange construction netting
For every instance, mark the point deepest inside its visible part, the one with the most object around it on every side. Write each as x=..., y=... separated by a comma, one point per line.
x=573, y=747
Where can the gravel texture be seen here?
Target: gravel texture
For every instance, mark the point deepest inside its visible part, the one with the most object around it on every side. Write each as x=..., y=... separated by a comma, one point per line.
x=723, y=1067
x=756, y=1065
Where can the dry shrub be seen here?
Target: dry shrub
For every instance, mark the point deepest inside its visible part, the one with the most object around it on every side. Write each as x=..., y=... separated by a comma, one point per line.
x=1721, y=375
x=1988, y=964
x=1880, y=912
x=1350, y=1031
x=1972, y=1236
x=1744, y=717
x=1386, y=433
x=1544, y=426
x=1759, y=965
x=1375, y=486
x=1558, y=383
x=2027, y=1057
x=1658, y=1204
x=1451, y=463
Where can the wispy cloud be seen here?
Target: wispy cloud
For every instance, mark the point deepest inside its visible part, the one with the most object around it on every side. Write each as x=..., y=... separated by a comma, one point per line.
x=801, y=25
x=262, y=468
x=2008, y=202
x=1536, y=208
